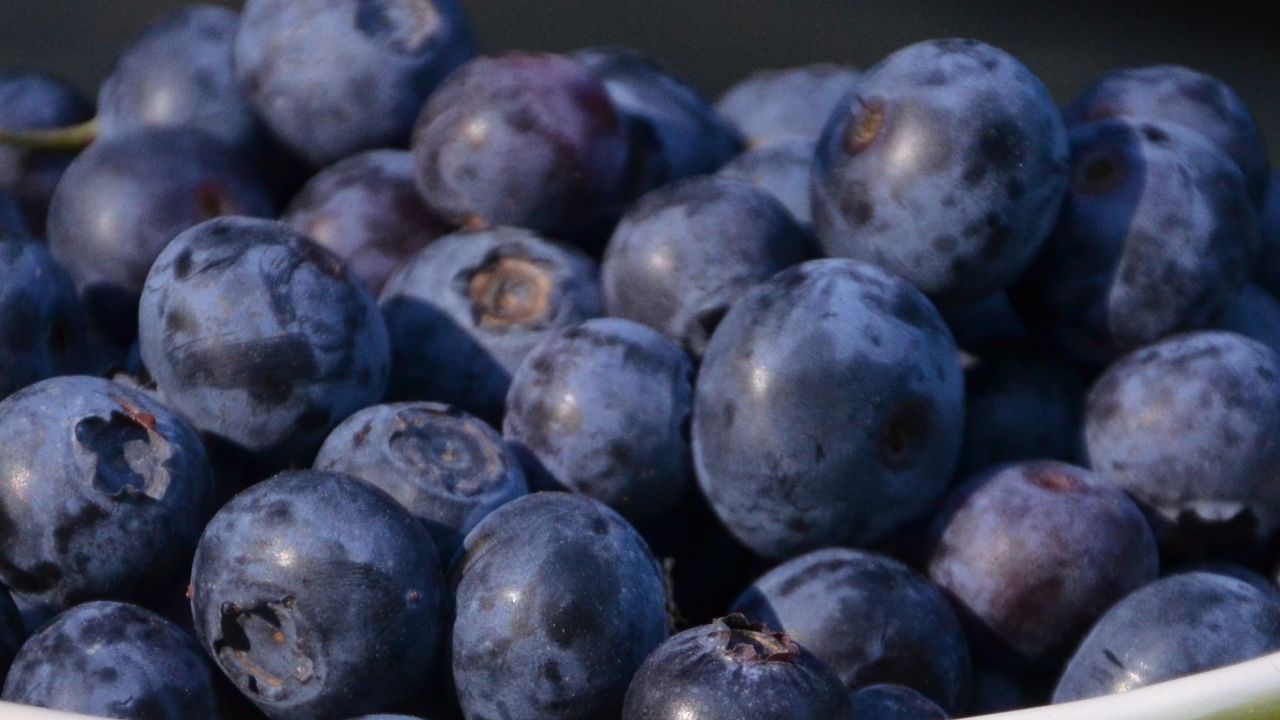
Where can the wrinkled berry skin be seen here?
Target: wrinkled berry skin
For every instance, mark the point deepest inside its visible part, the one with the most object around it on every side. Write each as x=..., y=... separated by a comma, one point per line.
x=366, y=210
x=870, y=618
x=602, y=409
x=122, y=201
x=682, y=134
x=787, y=473
x=465, y=311
x=1156, y=235
x=1268, y=271
x=265, y=601
x=1177, y=626
x=1021, y=404
x=1190, y=427
x=447, y=468
x=894, y=702
x=1177, y=95
x=1255, y=314
x=35, y=101
x=12, y=631
x=260, y=336
x=115, y=660
x=180, y=73
x=41, y=321
x=770, y=107
x=125, y=489
x=332, y=78
x=686, y=252
x=946, y=166
x=731, y=669
x=782, y=170
x=527, y=140
x=559, y=601
x=1032, y=553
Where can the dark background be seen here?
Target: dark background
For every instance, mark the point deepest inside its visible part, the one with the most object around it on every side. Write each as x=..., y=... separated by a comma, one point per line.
x=712, y=42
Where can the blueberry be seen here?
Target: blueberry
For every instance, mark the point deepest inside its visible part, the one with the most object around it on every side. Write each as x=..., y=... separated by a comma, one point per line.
x=828, y=409
x=124, y=488
x=125, y=198
x=334, y=77
x=731, y=669
x=465, y=311
x=13, y=632
x=1268, y=271
x=319, y=596
x=260, y=336
x=682, y=134
x=777, y=106
x=870, y=618
x=11, y=223
x=367, y=211
x=1174, y=627
x=558, y=602
x=1188, y=426
x=35, y=101
x=602, y=409
x=894, y=702
x=1034, y=552
x=529, y=140
x=179, y=73
x=946, y=166
x=1180, y=96
x=1021, y=404
x=1254, y=313
x=684, y=253
x=782, y=170
x=448, y=469
x=114, y=660
x=1156, y=235
x=986, y=326
x=42, y=324
x=1239, y=572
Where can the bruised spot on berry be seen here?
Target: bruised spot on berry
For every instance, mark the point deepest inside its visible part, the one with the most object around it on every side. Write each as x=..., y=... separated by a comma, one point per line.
x=866, y=126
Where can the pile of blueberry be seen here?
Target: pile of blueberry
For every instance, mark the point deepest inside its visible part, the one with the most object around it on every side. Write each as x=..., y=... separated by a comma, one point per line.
x=347, y=371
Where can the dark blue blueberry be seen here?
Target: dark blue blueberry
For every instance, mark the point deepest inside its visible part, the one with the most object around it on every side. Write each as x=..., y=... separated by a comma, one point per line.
x=603, y=409
x=894, y=702
x=1180, y=96
x=260, y=336
x=1021, y=404
x=1255, y=314
x=559, y=601
x=367, y=211
x=784, y=171
x=115, y=660
x=179, y=73
x=675, y=133
x=777, y=106
x=946, y=166
x=465, y=311
x=528, y=140
x=447, y=468
x=1156, y=235
x=1267, y=273
x=35, y=101
x=1174, y=627
x=986, y=326
x=103, y=494
x=334, y=77
x=1239, y=572
x=1188, y=427
x=685, y=253
x=730, y=670
x=13, y=632
x=870, y=618
x=319, y=596
x=11, y=223
x=1033, y=553
x=42, y=324
x=125, y=198
x=828, y=409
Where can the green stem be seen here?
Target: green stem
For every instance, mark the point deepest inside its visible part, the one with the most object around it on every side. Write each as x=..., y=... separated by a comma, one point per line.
x=67, y=139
